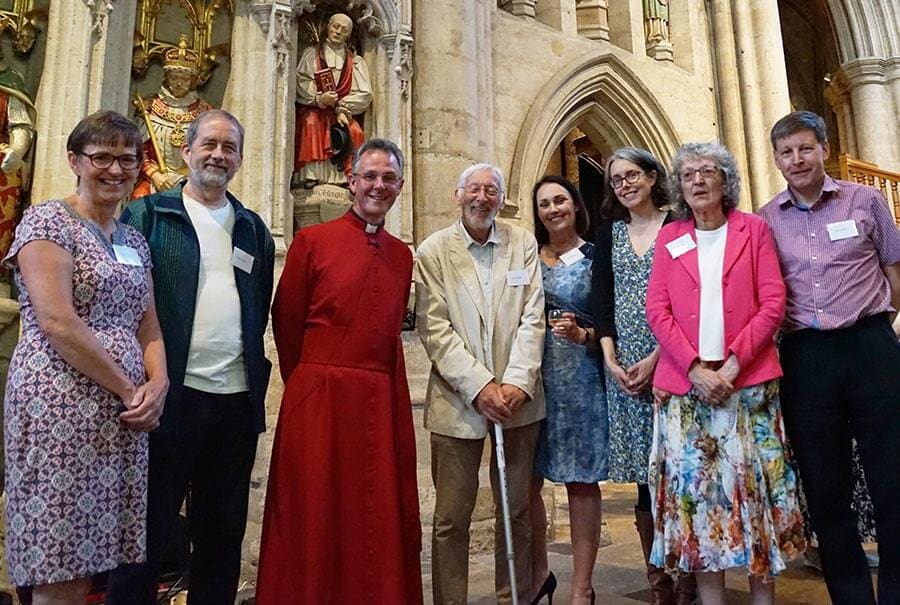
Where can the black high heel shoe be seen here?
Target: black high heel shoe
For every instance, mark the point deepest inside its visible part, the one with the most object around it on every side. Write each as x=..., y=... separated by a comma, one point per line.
x=547, y=589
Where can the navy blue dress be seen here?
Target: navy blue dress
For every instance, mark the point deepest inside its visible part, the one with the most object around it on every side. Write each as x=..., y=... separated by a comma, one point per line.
x=574, y=440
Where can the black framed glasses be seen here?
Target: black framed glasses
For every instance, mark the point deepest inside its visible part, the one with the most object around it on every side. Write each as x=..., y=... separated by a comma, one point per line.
x=629, y=177
x=103, y=160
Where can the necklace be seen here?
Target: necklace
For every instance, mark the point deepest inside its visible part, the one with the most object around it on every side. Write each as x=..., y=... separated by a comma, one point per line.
x=569, y=246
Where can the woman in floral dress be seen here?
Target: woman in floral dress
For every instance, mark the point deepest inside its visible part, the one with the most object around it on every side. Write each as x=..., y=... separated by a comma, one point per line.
x=631, y=217
x=87, y=379
x=572, y=447
x=724, y=487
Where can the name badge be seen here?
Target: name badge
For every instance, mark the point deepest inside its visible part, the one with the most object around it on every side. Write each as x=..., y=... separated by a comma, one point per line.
x=127, y=255
x=242, y=260
x=679, y=246
x=842, y=230
x=572, y=256
x=517, y=278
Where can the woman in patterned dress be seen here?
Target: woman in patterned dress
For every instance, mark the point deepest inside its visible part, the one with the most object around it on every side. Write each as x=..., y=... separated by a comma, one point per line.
x=87, y=379
x=723, y=482
x=572, y=447
x=631, y=217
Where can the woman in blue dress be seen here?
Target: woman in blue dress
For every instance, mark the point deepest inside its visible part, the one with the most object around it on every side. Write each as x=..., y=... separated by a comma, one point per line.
x=572, y=448
x=631, y=216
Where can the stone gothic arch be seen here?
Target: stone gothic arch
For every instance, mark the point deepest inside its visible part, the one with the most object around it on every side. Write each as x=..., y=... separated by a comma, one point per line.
x=865, y=29
x=604, y=95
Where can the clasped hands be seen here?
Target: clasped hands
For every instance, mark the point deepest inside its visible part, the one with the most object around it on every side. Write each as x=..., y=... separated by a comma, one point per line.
x=712, y=386
x=144, y=405
x=498, y=402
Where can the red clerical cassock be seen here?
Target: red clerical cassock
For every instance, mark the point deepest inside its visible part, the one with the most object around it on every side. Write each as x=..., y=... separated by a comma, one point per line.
x=342, y=514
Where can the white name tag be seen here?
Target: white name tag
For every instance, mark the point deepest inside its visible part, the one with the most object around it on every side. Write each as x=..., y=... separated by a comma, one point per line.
x=679, y=246
x=517, y=278
x=572, y=256
x=127, y=255
x=842, y=230
x=242, y=260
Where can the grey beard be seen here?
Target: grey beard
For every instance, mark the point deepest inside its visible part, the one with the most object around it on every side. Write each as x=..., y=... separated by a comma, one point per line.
x=210, y=178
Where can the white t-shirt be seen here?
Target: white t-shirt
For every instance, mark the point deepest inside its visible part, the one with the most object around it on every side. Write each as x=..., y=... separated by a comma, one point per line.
x=711, y=258
x=215, y=361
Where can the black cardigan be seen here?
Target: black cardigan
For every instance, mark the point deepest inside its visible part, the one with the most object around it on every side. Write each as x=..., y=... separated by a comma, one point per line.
x=603, y=282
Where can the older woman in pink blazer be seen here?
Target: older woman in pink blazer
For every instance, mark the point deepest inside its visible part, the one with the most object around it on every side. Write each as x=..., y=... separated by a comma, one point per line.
x=724, y=487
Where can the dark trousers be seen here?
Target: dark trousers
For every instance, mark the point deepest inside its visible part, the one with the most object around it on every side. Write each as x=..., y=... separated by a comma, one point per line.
x=840, y=384
x=212, y=460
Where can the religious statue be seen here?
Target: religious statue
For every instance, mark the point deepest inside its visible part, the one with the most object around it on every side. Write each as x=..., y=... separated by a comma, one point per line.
x=332, y=88
x=17, y=116
x=164, y=119
x=656, y=20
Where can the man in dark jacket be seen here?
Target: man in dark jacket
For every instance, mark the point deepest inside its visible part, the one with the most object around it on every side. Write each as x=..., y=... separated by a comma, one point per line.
x=212, y=271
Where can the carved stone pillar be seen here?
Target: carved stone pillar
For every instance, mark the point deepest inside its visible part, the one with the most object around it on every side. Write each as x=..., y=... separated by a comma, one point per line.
x=519, y=8
x=85, y=69
x=559, y=14
x=874, y=120
x=837, y=94
x=593, y=19
x=260, y=93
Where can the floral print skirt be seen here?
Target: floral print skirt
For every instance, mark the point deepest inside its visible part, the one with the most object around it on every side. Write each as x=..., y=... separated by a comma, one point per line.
x=724, y=485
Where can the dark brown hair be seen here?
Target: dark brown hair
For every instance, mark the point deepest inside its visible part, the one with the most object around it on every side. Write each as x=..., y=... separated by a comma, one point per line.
x=107, y=128
x=582, y=220
x=610, y=207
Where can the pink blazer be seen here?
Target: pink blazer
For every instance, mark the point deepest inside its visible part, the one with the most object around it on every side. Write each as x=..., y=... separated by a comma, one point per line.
x=753, y=294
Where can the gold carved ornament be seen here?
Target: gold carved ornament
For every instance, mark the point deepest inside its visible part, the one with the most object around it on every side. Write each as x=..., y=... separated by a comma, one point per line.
x=23, y=22
x=201, y=14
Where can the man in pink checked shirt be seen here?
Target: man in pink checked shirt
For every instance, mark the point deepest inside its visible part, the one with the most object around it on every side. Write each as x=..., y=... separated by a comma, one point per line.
x=840, y=255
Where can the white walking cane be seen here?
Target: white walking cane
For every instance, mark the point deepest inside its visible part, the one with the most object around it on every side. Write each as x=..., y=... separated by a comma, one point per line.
x=504, y=501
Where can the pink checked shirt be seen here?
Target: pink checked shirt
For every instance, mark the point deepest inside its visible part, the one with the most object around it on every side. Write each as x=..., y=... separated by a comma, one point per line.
x=834, y=278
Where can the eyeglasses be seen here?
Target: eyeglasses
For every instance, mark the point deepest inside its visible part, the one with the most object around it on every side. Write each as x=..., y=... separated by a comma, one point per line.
x=489, y=190
x=629, y=177
x=388, y=178
x=707, y=172
x=103, y=160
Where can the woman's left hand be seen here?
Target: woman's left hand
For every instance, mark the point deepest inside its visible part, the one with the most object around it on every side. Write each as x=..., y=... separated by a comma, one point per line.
x=730, y=369
x=567, y=328
x=146, y=406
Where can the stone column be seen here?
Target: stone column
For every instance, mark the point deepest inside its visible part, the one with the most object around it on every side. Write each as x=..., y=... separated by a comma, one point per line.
x=593, y=19
x=728, y=93
x=837, y=93
x=449, y=101
x=260, y=93
x=559, y=14
x=85, y=69
x=519, y=8
x=875, y=122
x=764, y=94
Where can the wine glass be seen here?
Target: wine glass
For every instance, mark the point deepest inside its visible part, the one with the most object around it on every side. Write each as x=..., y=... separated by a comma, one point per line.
x=554, y=318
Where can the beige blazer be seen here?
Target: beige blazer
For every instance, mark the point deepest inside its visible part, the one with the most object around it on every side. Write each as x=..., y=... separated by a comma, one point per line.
x=465, y=352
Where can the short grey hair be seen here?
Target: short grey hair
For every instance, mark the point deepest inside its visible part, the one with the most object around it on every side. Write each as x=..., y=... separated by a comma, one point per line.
x=466, y=174
x=209, y=114
x=723, y=160
x=377, y=144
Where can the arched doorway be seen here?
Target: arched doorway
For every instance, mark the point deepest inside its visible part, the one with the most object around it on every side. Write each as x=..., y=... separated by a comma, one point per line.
x=600, y=105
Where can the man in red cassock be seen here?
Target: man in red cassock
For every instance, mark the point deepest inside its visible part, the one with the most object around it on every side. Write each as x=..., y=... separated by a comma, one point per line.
x=341, y=523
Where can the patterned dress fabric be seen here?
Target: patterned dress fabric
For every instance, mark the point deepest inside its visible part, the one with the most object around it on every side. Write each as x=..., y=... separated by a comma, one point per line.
x=726, y=490
x=573, y=445
x=630, y=418
x=76, y=478
x=862, y=502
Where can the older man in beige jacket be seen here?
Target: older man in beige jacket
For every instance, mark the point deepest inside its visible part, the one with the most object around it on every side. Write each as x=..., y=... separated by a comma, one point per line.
x=480, y=314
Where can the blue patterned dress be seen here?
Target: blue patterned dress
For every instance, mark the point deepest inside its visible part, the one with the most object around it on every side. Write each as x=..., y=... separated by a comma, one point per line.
x=630, y=418
x=573, y=446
